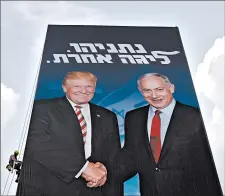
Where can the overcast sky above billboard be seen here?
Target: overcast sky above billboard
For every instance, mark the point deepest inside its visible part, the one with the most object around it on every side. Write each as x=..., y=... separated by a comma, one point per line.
x=33, y=17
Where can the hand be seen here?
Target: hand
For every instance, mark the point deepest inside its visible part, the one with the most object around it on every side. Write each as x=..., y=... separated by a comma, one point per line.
x=103, y=169
x=94, y=174
x=94, y=181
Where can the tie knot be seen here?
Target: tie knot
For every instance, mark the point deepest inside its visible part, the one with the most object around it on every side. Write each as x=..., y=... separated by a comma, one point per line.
x=157, y=112
x=78, y=107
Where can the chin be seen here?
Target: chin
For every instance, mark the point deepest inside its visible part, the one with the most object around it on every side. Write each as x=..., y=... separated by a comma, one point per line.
x=157, y=106
x=84, y=101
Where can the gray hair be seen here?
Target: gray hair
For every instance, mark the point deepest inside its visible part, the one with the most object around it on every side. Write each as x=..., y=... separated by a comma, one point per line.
x=166, y=80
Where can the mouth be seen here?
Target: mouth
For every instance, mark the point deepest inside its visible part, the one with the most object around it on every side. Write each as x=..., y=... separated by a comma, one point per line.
x=83, y=95
x=156, y=100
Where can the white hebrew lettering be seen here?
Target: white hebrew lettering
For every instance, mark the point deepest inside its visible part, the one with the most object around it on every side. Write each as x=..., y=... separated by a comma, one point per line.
x=140, y=59
x=107, y=58
x=57, y=58
x=85, y=46
x=162, y=55
x=76, y=57
x=85, y=58
x=125, y=47
x=76, y=47
x=140, y=48
x=100, y=46
x=112, y=48
x=150, y=57
x=124, y=58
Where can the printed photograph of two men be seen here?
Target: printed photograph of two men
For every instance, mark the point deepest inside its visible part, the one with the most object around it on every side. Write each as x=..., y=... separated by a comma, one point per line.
x=116, y=113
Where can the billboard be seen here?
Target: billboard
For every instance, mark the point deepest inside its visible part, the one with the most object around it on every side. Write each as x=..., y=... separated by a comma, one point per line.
x=117, y=56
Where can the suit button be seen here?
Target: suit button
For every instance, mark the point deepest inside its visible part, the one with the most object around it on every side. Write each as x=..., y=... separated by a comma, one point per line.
x=157, y=169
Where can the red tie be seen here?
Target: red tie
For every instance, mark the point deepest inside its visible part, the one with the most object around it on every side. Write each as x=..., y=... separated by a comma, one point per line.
x=82, y=122
x=155, y=139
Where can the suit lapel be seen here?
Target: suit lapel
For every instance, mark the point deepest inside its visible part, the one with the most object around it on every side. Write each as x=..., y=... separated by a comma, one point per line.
x=144, y=126
x=173, y=128
x=70, y=119
x=96, y=120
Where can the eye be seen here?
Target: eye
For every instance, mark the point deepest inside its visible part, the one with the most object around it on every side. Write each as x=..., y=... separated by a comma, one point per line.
x=159, y=89
x=76, y=86
x=146, y=90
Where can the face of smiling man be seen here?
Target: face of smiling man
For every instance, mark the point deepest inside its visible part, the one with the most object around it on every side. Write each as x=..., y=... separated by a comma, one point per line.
x=156, y=91
x=79, y=90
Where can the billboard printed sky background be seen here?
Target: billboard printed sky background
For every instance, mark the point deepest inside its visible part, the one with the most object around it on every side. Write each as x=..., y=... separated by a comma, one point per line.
x=117, y=82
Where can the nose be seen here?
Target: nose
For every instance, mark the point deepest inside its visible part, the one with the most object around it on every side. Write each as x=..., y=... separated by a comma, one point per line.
x=83, y=89
x=154, y=94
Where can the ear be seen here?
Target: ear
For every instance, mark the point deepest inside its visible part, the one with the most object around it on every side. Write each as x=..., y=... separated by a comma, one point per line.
x=139, y=88
x=172, y=88
x=64, y=88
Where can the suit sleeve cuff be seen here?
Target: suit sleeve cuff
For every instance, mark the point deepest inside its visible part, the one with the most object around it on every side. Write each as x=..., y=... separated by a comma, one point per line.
x=82, y=170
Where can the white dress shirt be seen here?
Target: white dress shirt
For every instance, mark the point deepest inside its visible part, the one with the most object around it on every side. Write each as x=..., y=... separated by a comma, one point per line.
x=165, y=117
x=87, y=147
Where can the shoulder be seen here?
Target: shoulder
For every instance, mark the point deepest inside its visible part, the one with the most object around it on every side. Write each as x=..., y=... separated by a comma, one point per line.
x=137, y=111
x=187, y=108
x=46, y=104
x=101, y=110
x=187, y=112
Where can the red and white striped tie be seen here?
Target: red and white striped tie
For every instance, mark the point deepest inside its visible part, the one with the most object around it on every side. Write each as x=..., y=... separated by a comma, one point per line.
x=83, y=124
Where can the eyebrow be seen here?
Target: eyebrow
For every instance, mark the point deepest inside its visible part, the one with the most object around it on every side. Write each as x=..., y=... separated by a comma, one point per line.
x=153, y=88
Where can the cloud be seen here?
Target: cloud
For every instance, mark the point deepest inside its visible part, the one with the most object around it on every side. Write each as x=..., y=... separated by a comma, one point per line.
x=58, y=12
x=9, y=101
x=9, y=106
x=209, y=83
x=30, y=19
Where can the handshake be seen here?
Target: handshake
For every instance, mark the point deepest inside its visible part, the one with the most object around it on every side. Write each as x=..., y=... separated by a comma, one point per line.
x=95, y=174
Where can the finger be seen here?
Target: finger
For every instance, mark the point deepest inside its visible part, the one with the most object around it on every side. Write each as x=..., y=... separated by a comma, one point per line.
x=97, y=184
x=99, y=174
x=101, y=166
x=98, y=164
x=103, y=181
x=88, y=179
x=103, y=170
x=91, y=185
x=93, y=180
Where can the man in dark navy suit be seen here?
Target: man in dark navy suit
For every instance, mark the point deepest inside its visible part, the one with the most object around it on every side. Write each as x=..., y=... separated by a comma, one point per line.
x=69, y=144
x=167, y=145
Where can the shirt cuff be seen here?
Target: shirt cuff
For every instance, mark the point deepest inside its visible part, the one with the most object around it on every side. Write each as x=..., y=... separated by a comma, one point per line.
x=82, y=170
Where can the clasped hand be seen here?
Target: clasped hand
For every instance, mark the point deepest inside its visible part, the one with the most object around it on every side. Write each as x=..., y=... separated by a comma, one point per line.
x=95, y=174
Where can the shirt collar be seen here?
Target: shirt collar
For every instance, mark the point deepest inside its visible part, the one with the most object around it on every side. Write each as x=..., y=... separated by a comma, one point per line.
x=74, y=104
x=167, y=110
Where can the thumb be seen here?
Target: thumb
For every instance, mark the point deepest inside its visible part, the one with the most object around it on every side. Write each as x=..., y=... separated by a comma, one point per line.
x=98, y=164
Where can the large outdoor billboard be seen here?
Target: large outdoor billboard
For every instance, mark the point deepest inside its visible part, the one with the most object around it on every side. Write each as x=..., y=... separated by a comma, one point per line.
x=117, y=56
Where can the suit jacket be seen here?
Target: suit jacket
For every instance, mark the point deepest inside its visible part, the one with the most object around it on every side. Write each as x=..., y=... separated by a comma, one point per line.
x=54, y=151
x=185, y=166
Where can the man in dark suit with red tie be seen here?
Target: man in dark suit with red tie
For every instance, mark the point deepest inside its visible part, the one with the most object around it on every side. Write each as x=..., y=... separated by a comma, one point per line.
x=70, y=140
x=167, y=145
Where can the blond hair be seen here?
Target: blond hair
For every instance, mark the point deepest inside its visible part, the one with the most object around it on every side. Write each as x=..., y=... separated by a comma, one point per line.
x=79, y=75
